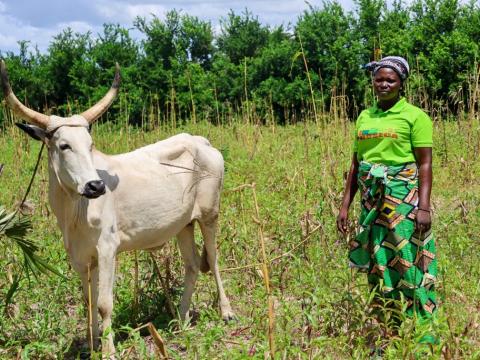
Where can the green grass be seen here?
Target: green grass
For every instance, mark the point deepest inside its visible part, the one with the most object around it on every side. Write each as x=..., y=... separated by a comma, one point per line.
x=321, y=308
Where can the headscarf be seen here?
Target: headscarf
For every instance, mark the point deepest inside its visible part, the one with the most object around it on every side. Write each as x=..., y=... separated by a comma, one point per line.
x=396, y=63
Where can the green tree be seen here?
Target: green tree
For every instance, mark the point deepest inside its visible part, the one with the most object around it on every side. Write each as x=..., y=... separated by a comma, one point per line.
x=369, y=18
x=394, y=31
x=68, y=50
x=334, y=52
x=241, y=36
x=27, y=70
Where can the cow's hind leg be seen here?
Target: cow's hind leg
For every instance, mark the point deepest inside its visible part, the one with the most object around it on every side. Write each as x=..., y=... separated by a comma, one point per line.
x=191, y=260
x=208, y=232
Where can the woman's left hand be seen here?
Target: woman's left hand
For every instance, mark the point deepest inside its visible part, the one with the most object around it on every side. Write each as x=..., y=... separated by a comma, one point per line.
x=423, y=221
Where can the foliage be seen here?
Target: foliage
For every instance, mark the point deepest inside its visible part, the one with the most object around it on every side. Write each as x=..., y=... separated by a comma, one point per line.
x=14, y=231
x=242, y=36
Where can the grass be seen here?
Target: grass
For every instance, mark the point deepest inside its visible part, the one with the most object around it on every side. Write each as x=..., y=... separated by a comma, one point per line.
x=322, y=309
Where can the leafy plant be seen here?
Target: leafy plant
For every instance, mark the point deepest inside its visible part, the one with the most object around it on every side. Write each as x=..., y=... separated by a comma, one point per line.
x=14, y=229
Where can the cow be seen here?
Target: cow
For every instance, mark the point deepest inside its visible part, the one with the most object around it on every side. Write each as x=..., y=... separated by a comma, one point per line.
x=107, y=204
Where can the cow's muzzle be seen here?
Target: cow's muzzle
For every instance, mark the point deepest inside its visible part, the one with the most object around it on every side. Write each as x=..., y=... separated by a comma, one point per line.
x=94, y=189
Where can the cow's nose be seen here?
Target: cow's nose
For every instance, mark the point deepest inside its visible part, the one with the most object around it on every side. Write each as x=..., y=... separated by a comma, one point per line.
x=94, y=189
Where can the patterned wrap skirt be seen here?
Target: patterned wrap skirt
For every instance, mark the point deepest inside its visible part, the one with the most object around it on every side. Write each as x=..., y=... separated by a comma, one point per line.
x=399, y=260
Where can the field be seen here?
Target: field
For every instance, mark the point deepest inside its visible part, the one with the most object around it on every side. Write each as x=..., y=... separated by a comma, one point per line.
x=320, y=308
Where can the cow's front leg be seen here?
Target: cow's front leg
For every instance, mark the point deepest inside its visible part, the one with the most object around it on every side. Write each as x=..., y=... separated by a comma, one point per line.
x=106, y=273
x=90, y=292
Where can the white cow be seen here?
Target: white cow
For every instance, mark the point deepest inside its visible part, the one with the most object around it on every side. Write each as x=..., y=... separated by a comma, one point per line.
x=139, y=200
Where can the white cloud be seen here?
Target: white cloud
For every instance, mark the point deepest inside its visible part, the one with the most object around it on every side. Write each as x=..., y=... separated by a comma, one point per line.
x=33, y=21
x=76, y=26
x=13, y=30
x=122, y=12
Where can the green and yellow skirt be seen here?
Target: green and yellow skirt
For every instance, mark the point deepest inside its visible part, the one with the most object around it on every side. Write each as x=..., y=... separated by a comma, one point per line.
x=398, y=259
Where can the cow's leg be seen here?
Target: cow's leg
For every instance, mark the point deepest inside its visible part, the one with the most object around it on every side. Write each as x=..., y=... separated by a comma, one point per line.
x=93, y=306
x=208, y=232
x=106, y=273
x=191, y=260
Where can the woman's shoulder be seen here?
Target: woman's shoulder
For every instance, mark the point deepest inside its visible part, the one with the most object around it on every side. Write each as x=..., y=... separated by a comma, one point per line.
x=367, y=112
x=415, y=111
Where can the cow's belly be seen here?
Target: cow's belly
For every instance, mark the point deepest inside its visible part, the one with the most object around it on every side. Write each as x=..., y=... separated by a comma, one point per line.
x=150, y=219
x=145, y=236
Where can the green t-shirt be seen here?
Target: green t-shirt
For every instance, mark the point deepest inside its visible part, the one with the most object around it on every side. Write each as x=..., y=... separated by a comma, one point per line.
x=388, y=137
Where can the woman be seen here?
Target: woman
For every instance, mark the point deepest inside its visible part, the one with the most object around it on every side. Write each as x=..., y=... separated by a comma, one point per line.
x=392, y=167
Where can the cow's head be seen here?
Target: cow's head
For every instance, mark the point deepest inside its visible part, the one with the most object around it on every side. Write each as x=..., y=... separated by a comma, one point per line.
x=68, y=139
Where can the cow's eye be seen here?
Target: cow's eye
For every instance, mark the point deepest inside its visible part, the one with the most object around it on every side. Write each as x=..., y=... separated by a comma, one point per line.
x=65, y=147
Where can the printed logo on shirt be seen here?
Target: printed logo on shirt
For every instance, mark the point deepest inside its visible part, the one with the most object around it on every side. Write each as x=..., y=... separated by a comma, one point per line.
x=375, y=133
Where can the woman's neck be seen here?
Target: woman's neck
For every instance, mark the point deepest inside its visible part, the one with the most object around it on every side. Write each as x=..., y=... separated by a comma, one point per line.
x=387, y=104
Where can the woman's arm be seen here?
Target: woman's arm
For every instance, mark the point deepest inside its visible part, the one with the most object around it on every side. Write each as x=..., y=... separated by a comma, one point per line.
x=351, y=188
x=424, y=163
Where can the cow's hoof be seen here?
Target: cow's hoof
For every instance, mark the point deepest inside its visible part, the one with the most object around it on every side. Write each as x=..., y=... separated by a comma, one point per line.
x=229, y=316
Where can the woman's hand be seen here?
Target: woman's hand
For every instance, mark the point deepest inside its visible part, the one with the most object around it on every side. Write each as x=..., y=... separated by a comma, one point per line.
x=351, y=188
x=423, y=221
x=342, y=220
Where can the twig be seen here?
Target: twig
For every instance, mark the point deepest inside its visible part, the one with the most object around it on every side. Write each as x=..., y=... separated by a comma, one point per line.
x=135, y=285
x=126, y=354
x=314, y=230
x=242, y=267
x=307, y=72
x=239, y=188
x=90, y=321
x=158, y=340
x=266, y=278
x=298, y=245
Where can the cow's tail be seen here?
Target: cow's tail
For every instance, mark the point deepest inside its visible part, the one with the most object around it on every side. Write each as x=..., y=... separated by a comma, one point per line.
x=204, y=266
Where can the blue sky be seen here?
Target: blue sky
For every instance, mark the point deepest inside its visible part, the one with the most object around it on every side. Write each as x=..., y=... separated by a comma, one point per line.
x=38, y=21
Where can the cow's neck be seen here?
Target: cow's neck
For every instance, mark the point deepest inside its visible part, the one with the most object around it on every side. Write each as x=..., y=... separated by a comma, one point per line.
x=69, y=208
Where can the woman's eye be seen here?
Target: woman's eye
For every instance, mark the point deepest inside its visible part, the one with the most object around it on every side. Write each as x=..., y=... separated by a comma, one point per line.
x=65, y=147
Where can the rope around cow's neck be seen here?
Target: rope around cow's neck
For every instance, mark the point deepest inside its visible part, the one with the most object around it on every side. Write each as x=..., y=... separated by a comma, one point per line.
x=28, y=189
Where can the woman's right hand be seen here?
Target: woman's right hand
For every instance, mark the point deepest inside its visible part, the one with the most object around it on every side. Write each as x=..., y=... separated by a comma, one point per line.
x=342, y=220
x=351, y=188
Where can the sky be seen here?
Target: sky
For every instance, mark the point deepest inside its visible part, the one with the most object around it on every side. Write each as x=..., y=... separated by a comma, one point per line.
x=37, y=21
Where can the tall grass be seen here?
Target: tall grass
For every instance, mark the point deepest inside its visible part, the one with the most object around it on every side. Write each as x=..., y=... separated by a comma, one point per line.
x=321, y=309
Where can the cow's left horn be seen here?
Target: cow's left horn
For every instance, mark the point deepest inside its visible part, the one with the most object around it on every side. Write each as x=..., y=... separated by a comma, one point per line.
x=18, y=108
x=99, y=108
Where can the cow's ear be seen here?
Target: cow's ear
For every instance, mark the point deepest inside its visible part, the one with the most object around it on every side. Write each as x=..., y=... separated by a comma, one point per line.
x=34, y=131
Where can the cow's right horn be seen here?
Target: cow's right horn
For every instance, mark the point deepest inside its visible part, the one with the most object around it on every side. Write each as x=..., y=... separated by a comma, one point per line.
x=18, y=108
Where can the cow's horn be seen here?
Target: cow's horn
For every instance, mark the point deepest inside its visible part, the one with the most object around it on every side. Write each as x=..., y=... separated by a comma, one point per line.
x=99, y=108
x=18, y=108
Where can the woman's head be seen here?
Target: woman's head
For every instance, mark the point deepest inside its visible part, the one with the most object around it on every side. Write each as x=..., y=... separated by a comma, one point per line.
x=396, y=63
x=387, y=84
x=388, y=76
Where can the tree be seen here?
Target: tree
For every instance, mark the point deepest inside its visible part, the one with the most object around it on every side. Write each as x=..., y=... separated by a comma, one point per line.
x=67, y=51
x=241, y=36
x=333, y=50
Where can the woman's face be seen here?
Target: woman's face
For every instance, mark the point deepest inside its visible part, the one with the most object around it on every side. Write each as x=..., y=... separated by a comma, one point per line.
x=387, y=84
